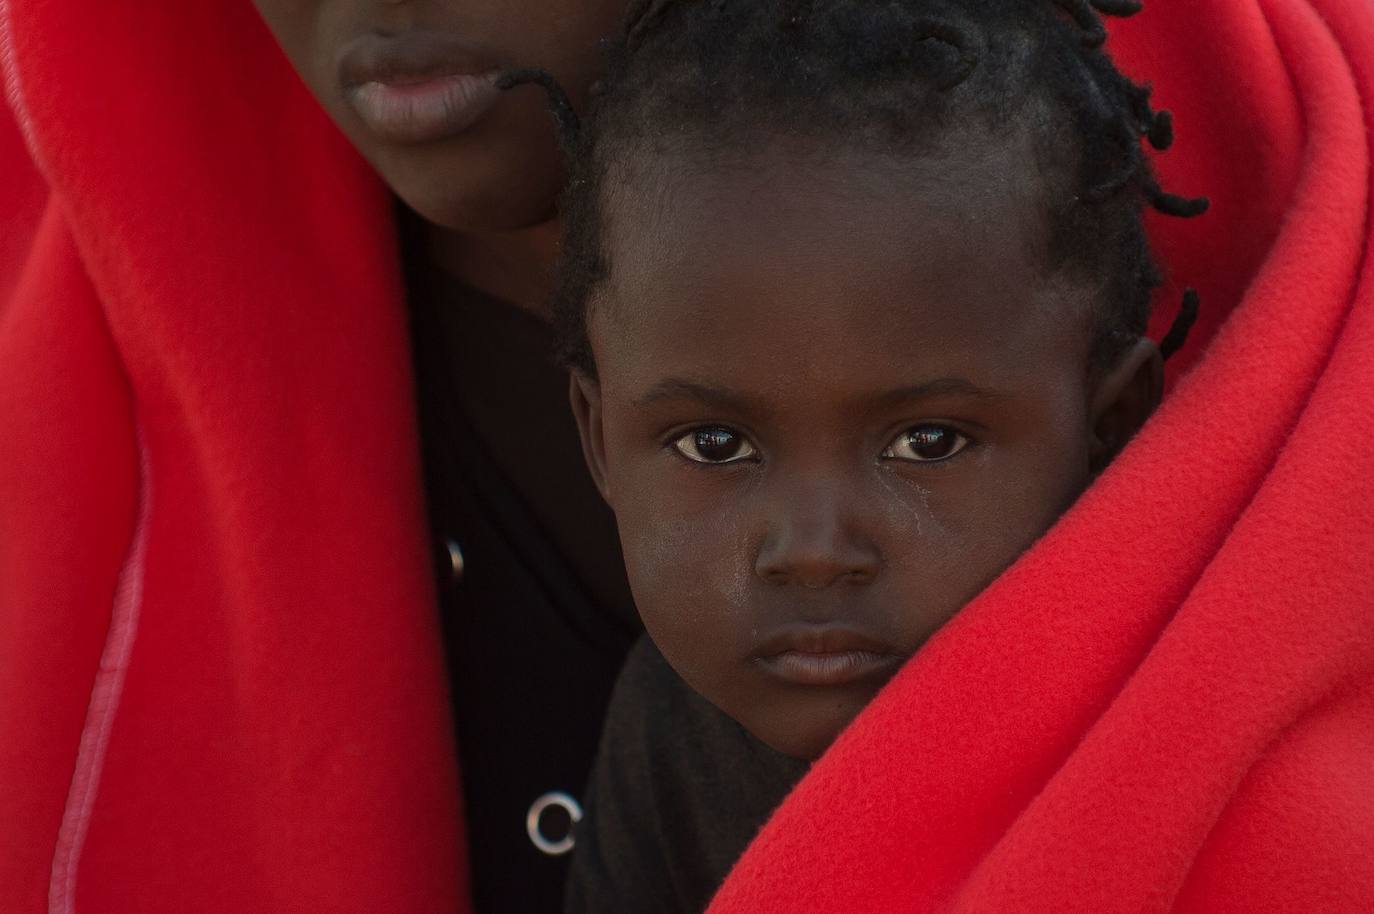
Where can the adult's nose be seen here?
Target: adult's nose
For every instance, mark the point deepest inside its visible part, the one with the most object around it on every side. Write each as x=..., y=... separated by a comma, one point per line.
x=815, y=538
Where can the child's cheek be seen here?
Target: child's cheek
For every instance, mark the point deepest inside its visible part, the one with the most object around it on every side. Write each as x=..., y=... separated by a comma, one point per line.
x=690, y=569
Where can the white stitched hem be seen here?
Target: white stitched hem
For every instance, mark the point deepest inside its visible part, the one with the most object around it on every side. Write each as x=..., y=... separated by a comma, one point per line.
x=100, y=714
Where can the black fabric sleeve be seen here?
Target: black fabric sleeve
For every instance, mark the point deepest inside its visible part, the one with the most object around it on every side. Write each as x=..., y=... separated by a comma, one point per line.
x=677, y=793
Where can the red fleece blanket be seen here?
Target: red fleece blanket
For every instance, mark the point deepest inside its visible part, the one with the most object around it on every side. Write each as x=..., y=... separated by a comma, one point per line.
x=221, y=686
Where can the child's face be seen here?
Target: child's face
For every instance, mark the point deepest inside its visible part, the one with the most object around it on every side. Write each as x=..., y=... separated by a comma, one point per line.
x=834, y=402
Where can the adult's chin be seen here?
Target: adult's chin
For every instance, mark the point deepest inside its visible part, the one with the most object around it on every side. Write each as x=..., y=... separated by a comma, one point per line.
x=474, y=191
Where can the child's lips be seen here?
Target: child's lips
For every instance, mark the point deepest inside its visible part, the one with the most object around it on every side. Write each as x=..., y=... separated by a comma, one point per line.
x=837, y=668
x=826, y=656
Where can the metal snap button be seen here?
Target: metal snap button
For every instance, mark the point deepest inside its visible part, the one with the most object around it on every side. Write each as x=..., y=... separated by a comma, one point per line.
x=455, y=559
x=557, y=799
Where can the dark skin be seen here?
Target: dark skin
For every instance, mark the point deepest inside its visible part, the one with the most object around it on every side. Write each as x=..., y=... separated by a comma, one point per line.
x=836, y=397
x=488, y=190
x=486, y=195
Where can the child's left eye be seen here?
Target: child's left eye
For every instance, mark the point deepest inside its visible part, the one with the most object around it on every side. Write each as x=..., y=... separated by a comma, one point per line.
x=926, y=444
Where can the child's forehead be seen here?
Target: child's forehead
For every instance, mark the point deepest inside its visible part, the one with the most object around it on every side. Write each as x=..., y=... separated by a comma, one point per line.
x=975, y=186
x=801, y=347
x=847, y=218
x=820, y=264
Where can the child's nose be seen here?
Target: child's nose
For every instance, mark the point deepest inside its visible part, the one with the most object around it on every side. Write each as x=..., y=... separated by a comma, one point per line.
x=813, y=540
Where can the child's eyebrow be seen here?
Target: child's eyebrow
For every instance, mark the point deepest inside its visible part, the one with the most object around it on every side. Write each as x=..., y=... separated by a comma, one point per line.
x=724, y=398
x=681, y=389
x=941, y=387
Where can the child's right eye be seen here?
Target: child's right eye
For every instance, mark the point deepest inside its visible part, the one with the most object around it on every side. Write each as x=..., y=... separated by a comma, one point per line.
x=714, y=444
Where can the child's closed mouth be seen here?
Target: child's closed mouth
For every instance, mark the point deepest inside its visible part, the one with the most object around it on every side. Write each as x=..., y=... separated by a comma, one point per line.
x=826, y=655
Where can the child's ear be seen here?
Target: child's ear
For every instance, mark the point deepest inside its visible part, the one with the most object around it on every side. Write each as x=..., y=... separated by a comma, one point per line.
x=585, y=396
x=1124, y=398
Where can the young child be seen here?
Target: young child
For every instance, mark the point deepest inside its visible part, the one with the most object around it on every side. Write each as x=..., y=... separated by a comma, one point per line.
x=855, y=297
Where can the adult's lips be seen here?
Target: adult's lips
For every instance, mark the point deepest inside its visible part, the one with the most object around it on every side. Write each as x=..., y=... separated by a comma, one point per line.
x=826, y=655
x=417, y=87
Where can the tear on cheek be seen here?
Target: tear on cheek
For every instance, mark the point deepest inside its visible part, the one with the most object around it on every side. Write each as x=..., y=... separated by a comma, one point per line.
x=908, y=507
x=733, y=575
x=699, y=569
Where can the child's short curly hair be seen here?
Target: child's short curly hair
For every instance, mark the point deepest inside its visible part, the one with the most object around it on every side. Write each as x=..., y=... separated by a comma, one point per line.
x=715, y=78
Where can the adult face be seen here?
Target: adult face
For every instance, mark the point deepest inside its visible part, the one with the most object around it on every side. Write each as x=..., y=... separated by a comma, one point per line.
x=412, y=84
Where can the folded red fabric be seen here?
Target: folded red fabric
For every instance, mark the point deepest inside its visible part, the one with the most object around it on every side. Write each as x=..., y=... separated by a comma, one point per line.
x=1167, y=705
x=221, y=673
x=221, y=686
x=22, y=195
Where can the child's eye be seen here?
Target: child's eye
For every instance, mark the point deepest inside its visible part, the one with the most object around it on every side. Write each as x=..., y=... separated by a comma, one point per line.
x=926, y=444
x=714, y=444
